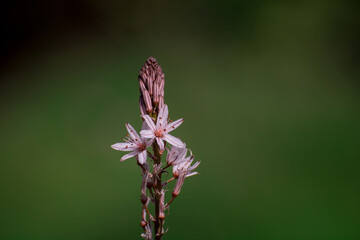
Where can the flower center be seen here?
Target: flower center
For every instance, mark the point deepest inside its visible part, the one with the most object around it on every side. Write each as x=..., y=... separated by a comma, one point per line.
x=158, y=133
x=142, y=147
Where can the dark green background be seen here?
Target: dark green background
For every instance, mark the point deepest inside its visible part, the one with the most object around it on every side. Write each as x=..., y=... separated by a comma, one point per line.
x=270, y=95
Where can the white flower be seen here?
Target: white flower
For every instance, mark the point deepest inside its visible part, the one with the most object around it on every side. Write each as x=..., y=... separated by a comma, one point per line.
x=136, y=144
x=176, y=156
x=161, y=130
x=184, y=167
x=182, y=171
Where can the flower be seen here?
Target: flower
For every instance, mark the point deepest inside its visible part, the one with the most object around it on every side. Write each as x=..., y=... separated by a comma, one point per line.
x=184, y=168
x=176, y=156
x=182, y=171
x=136, y=144
x=161, y=130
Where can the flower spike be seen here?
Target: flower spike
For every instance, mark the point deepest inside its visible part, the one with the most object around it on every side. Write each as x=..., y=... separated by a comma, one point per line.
x=148, y=148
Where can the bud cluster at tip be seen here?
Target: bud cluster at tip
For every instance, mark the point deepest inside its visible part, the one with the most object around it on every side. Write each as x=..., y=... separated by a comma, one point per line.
x=151, y=83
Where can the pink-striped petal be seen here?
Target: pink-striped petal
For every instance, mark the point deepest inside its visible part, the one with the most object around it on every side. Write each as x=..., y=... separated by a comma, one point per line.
x=124, y=146
x=144, y=126
x=173, y=125
x=179, y=162
x=173, y=140
x=147, y=134
x=191, y=174
x=194, y=166
x=130, y=155
x=161, y=144
x=162, y=117
x=142, y=157
x=132, y=132
x=149, y=122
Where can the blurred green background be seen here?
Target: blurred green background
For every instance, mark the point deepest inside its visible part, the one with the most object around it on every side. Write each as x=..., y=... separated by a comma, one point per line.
x=270, y=95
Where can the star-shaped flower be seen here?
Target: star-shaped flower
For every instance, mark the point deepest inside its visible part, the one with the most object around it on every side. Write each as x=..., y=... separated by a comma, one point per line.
x=176, y=156
x=184, y=167
x=182, y=171
x=136, y=144
x=161, y=130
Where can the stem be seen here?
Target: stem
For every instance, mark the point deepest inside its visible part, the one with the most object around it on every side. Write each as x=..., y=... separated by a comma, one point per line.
x=147, y=211
x=170, y=180
x=157, y=187
x=167, y=205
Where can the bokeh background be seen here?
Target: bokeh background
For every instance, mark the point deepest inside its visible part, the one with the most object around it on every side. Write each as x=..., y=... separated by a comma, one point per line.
x=270, y=95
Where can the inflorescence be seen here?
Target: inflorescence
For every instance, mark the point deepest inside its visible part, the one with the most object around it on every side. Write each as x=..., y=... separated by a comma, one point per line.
x=155, y=133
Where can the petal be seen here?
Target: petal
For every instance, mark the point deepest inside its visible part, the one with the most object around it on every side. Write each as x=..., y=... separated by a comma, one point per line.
x=176, y=169
x=177, y=155
x=144, y=126
x=161, y=144
x=173, y=125
x=130, y=155
x=173, y=140
x=162, y=117
x=132, y=132
x=188, y=162
x=191, y=174
x=142, y=157
x=149, y=122
x=180, y=165
x=179, y=162
x=124, y=146
x=194, y=166
x=183, y=152
x=142, y=106
x=147, y=134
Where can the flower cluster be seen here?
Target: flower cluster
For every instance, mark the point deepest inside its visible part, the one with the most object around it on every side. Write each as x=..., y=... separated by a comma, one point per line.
x=149, y=147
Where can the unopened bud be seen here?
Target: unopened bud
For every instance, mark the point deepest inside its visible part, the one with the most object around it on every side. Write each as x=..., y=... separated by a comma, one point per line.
x=143, y=214
x=162, y=203
x=147, y=100
x=142, y=106
x=156, y=95
x=151, y=74
x=143, y=199
x=150, y=86
x=161, y=101
x=143, y=224
x=161, y=85
x=178, y=185
x=142, y=85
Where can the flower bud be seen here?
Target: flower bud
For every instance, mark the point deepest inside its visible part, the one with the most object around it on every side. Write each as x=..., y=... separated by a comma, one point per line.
x=162, y=204
x=161, y=101
x=156, y=94
x=142, y=106
x=150, y=75
x=161, y=85
x=142, y=85
x=143, y=224
x=178, y=185
x=150, y=86
x=147, y=100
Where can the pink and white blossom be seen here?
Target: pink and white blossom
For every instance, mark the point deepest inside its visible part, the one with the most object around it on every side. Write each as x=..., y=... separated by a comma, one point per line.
x=161, y=130
x=182, y=166
x=135, y=144
x=182, y=171
x=176, y=156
